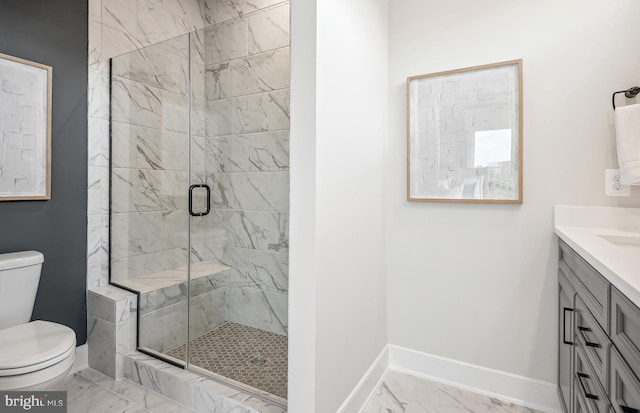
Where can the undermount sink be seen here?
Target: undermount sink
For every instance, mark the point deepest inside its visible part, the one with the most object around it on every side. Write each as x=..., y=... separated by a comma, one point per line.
x=622, y=240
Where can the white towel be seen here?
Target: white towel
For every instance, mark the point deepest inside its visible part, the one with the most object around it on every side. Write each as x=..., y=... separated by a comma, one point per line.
x=628, y=139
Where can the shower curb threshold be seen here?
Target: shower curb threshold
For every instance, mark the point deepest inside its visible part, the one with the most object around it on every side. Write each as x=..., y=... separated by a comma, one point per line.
x=191, y=390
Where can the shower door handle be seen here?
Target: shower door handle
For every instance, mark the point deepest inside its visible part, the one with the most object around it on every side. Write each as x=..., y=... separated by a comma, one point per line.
x=206, y=212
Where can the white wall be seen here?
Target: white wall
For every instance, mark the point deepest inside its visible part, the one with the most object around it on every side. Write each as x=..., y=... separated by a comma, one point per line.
x=340, y=192
x=302, y=209
x=477, y=283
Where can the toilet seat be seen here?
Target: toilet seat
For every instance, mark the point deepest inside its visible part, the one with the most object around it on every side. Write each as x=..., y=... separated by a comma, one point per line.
x=34, y=346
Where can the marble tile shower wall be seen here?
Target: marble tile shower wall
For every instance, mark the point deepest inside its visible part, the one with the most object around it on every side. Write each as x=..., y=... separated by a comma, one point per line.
x=117, y=27
x=247, y=158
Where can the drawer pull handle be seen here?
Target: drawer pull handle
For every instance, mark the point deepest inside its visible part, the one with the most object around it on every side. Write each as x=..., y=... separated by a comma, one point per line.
x=584, y=389
x=626, y=409
x=564, y=328
x=586, y=340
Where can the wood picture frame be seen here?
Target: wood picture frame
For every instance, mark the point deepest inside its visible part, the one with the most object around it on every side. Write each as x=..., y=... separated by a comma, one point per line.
x=25, y=129
x=464, y=135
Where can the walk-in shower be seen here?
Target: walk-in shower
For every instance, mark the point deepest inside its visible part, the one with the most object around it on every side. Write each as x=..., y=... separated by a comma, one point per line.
x=200, y=197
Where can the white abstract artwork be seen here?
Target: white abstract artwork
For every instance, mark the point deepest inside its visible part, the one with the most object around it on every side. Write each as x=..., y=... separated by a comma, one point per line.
x=25, y=129
x=465, y=134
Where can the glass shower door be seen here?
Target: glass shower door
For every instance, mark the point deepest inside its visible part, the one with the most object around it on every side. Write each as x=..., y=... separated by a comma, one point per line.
x=150, y=176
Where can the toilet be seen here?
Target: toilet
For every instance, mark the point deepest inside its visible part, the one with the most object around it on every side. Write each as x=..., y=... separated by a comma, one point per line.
x=34, y=355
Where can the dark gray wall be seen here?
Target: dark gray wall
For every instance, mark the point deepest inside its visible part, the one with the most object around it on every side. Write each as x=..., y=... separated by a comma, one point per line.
x=54, y=32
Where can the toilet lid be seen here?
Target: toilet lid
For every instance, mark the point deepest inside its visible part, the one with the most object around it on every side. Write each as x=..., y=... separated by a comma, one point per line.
x=34, y=344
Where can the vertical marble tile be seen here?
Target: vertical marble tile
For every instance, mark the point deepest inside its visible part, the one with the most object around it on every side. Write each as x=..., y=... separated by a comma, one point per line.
x=269, y=29
x=95, y=10
x=101, y=338
x=97, y=190
x=97, y=239
x=95, y=42
x=98, y=142
x=266, y=151
x=217, y=81
x=260, y=73
x=98, y=94
x=97, y=274
x=226, y=41
x=122, y=347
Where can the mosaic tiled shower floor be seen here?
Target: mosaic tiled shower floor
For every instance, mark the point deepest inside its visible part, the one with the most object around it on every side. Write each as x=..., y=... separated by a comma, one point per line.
x=245, y=354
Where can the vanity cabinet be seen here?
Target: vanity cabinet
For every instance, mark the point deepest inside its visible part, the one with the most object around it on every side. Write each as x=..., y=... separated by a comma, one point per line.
x=599, y=341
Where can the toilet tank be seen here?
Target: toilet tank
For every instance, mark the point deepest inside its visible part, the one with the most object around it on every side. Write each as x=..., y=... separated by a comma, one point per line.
x=19, y=278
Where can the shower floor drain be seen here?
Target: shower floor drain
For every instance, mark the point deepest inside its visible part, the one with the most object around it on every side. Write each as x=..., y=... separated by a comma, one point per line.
x=258, y=361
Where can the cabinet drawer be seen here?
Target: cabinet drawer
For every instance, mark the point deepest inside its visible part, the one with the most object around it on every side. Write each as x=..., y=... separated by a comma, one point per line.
x=593, y=340
x=588, y=385
x=625, y=329
x=592, y=287
x=625, y=387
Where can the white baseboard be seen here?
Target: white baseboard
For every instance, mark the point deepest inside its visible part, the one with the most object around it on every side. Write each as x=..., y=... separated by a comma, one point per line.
x=509, y=387
x=367, y=384
x=82, y=359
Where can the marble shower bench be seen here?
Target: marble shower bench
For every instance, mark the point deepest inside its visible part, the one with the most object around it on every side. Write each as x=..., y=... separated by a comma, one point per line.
x=162, y=303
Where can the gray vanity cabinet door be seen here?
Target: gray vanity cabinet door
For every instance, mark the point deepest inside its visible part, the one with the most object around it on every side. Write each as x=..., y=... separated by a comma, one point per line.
x=592, y=287
x=565, y=346
x=625, y=387
x=625, y=329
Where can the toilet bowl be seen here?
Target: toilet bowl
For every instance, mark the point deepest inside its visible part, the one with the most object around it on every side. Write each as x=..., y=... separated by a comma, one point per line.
x=35, y=355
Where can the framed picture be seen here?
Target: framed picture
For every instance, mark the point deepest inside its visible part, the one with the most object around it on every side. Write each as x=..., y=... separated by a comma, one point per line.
x=25, y=129
x=464, y=135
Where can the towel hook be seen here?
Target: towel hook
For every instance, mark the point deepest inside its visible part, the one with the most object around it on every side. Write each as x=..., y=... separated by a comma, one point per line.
x=630, y=93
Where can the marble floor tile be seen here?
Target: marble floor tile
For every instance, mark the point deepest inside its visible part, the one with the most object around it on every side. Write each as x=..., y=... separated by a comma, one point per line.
x=83, y=395
x=92, y=392
x=403, y=393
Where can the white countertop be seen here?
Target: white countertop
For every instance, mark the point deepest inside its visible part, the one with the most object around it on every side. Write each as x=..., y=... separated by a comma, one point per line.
x=581, y=227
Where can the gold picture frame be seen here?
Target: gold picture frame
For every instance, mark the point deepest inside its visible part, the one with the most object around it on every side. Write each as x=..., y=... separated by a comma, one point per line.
x=25, y=129
x=464, y=135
